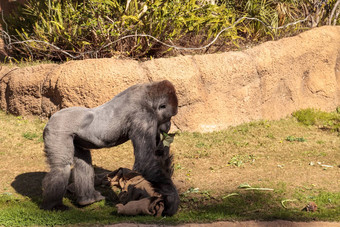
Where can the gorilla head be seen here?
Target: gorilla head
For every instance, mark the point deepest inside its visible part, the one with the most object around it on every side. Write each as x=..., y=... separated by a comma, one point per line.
x=165, y=101
x=140, y=114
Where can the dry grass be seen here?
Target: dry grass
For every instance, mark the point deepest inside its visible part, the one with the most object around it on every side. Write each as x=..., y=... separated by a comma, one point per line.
x=20, y=150
x=257, y=153
x=209, y=168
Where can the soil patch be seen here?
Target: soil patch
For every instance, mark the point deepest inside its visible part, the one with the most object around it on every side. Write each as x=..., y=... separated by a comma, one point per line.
x=209, y=168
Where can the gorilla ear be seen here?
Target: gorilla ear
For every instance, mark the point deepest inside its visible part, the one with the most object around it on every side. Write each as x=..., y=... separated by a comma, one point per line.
x=162, y=106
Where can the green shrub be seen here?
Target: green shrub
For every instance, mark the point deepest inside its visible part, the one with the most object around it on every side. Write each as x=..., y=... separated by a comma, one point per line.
x=76, y=29
x=306, y=117
x=319, y=118
x=94, y=28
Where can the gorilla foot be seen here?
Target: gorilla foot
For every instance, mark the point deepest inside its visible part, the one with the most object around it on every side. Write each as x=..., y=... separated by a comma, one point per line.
x=96, y=197
x=58, y=207
x=61, y=207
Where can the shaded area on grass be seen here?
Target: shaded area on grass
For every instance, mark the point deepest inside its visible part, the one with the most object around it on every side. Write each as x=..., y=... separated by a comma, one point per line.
x=247, y=205
x=196, y=206
x=29, y=184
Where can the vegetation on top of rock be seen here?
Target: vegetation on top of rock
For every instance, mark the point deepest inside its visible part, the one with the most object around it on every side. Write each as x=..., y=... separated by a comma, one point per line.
x=75, y=29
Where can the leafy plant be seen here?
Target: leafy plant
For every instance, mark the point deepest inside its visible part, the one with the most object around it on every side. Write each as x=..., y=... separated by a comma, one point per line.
x=79, y=29
x=319, y=118
x=263, y=10
x=74, y=29
x=239, y=160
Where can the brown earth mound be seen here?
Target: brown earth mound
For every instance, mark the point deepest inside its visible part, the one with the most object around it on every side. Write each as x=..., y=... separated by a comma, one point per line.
x=215, y=91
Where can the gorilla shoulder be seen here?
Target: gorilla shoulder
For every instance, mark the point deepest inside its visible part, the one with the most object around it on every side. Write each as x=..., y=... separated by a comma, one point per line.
x=68, y=119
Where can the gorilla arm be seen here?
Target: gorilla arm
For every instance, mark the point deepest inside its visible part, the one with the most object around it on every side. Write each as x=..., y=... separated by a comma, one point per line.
x=147, y=163
x=144, y=144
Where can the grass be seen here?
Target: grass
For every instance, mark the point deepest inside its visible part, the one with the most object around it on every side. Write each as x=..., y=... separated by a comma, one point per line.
x=209, y=168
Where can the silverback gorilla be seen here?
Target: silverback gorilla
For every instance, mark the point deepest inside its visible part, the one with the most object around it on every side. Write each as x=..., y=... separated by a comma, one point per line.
x=140, y=114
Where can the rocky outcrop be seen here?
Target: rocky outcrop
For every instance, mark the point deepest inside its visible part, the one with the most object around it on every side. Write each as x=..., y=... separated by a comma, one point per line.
x=269, y=81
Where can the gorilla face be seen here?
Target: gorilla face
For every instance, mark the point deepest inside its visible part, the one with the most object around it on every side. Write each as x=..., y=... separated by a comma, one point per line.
x=164, y=103
x=164, y=112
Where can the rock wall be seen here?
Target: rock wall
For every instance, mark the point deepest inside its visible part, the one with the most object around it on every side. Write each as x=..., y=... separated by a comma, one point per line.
x=269, y=81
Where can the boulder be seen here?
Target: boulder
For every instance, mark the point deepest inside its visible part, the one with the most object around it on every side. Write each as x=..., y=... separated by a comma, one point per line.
x=269, y=81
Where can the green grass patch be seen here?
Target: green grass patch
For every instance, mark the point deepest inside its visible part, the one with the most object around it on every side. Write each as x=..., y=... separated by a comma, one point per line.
x=196, y=207
x=319, y=118
x=30, y=135
x=293, y=138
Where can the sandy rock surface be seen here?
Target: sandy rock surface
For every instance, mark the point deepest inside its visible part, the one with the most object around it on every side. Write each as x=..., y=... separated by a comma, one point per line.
x=215, y=91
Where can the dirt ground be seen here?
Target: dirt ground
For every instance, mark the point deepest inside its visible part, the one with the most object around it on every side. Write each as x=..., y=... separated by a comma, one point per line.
x=268, y=160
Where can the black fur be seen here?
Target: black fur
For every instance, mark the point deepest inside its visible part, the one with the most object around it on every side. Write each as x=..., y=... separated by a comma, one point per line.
x=139, y=113
x=160, y=174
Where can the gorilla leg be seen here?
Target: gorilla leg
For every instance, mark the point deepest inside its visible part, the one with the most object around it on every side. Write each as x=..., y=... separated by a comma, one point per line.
x=54, y=187
x=171, y=199
x=83, y=175
x=59, y=151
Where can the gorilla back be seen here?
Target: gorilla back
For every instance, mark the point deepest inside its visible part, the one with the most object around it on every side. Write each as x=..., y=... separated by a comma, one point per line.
x=140, y=114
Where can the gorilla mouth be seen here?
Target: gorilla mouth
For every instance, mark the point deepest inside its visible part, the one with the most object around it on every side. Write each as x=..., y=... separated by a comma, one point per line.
x=164, y=127
x=158, y=138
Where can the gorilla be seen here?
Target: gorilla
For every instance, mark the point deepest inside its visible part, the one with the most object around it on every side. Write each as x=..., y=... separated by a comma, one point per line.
x=140, y=114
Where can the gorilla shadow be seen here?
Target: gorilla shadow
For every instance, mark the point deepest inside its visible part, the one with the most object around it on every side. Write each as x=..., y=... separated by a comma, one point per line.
x=30, y=185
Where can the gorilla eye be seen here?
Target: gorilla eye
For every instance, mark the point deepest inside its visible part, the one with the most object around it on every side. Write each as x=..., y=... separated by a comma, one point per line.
x=163, y=106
